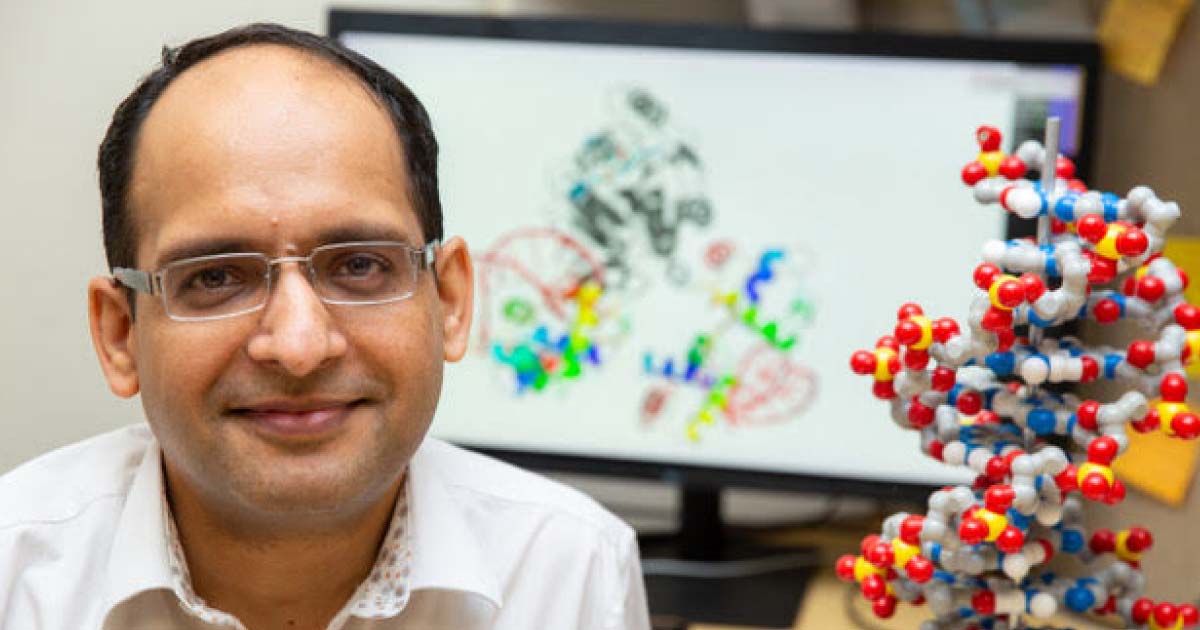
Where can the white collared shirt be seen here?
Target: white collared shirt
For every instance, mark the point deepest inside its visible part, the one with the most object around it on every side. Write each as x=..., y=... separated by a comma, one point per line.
x=85, y=543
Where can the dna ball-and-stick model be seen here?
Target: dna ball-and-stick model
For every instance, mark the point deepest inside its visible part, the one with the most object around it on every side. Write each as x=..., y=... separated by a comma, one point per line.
x=979, y=395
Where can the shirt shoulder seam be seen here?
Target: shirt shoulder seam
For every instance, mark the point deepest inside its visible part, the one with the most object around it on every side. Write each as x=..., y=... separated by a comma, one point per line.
x=81, y=509
x=612, y=535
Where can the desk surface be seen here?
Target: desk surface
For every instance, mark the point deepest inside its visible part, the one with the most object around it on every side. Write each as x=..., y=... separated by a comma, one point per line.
x=824, y=605
x=824, y=608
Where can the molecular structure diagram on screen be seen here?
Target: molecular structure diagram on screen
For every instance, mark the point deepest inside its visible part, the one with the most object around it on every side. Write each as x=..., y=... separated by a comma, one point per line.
x=743, y=368
x=632, y=187
x=545, y=314
x=986, y=397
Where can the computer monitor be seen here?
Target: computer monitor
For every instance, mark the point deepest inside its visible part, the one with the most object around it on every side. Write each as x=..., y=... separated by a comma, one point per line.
x=681, y=233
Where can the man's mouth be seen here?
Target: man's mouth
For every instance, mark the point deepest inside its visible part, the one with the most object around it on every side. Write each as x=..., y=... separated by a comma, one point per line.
x=297, y=418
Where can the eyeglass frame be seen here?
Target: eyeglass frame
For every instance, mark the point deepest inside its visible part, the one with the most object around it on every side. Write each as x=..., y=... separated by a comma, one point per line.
x=146, y=281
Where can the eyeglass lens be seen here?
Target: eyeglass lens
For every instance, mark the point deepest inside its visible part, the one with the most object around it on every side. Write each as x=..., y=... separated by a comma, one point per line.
x=233, y=283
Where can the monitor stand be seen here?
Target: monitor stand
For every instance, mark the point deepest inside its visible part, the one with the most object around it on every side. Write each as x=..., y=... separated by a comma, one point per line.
x=703, y=574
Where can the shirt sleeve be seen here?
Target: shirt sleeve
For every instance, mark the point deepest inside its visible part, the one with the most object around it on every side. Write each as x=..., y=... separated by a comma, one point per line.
x=630, y=611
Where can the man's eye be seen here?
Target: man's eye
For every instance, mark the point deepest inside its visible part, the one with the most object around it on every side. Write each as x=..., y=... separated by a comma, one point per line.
x=213, y=278
x=359, y=265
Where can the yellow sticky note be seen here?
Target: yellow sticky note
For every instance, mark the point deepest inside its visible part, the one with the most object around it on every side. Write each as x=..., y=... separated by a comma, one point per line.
x=1136, y=35
x=1184, y=251
x=1158, y=465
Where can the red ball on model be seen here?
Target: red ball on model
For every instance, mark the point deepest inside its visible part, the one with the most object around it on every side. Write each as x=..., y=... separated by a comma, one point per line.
x=943, y=379
x=1140, y=354
x=996, y=469
x=910, y=529
x=1147, y=424
x=919, y=569
x=1187, y=316
x=984, y=602
x=973, y=173
x=1186, y=425
x=884, y=607
x=863, y=362
x=1116, y=493
x=988, y=138
x=1094, y=486
x=1132, y=242
x=972, y=531
x=969, y=402
x=1064, y=168
x=985, y=275
x=1102, y=450
x=908, y=309
x=1138, y=539
x=1085, y=414
x=1011, y=293
x=1010, y=540
x=1166, y=614
x=1173, y=387
x=881, y=555
x=909, y=332
x=1012, y=167
x=874, y=587
x=1103, y=541
x=1092, y=227
x=1190, y=615
x=920, y=415
x=1107, y=311
x=944, y=329
x=1034, y=286
x=1141, y=610
x=845, y=567
x=1151, y=288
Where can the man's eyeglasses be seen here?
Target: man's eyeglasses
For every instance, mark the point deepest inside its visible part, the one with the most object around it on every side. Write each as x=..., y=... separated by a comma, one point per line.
x=225, y=285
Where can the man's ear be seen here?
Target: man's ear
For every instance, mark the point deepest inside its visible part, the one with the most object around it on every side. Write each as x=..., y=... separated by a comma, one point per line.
x=111, y=321
x=456, y=289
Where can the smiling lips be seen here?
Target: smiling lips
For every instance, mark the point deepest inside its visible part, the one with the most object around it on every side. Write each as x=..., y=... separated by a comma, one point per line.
x=298, y=419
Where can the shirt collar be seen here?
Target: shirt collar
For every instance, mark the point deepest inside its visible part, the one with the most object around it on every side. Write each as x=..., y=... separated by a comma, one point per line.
x=139, y=558
x=446, y=554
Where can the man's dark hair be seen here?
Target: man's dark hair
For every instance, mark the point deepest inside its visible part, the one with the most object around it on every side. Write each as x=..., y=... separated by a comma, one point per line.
x=116, y=155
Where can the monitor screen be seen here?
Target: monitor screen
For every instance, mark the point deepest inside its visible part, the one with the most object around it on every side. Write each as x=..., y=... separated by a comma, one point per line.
x=678, y=248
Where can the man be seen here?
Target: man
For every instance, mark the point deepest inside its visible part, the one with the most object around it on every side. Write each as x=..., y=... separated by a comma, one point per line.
x=281, y=300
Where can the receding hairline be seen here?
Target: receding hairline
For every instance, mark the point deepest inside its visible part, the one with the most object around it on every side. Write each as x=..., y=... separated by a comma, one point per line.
x=330, y=68
x=308, y=57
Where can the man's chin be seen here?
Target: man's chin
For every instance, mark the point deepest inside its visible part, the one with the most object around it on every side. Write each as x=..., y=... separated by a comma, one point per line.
x=307, y=488
x=324, y=472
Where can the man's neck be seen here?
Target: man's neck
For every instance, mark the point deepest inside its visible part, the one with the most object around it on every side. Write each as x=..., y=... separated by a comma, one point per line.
x=295, y=581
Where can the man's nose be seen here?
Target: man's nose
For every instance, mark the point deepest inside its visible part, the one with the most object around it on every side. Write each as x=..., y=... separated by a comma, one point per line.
x=296, y=331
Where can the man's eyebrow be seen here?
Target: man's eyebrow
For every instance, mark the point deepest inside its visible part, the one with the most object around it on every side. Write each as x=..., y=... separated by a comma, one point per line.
x=367, y=232
x=204, y=247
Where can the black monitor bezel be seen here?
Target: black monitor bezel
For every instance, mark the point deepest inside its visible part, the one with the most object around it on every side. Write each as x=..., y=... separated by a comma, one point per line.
x=1084, y=54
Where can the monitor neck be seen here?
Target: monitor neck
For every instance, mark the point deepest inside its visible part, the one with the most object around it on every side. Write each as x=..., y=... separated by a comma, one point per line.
x=701, y=531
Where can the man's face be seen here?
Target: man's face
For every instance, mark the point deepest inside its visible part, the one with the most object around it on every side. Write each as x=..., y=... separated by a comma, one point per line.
x=301, y=407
